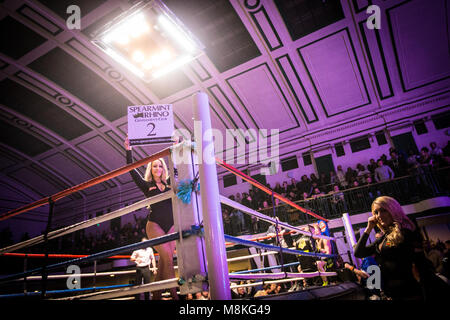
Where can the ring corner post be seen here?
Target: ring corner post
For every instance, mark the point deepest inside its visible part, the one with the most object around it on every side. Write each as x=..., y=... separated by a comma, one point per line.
x=190, y=251
x=219, y=283
x=350, y=234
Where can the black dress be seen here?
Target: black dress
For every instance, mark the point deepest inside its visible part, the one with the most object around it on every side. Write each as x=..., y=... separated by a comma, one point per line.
x=395, y=264
x=160, y=212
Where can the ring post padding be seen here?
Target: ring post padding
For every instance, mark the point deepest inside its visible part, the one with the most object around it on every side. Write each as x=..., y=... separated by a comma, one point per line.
x=350, y=238
x=191, y=258
x=219, y=283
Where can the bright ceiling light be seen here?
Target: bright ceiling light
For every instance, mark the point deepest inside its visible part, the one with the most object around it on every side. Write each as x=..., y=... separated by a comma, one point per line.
x=147, y=64
x=138, y=56
x=148, y=40
x=174, y=65
x=125, y=63
x=176, y=33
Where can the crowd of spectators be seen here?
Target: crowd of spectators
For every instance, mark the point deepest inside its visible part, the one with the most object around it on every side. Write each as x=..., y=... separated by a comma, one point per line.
x=86, y=241
x=113, y=237
x=374, y=177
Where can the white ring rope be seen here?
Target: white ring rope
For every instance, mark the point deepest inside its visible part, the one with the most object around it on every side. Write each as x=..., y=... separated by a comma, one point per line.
x=261, y=216
x=81, y=275
x=251, y=256
x=110, y=294
x=88, y=223
x=260, y=283
x=84, y=275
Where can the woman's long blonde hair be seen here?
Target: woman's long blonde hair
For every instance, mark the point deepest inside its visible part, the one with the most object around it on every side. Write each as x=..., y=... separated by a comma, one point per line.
x=400, y=220
x=148, y=172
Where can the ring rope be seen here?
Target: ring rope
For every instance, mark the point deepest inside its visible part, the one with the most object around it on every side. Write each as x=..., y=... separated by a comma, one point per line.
x=104, y=254
x=81, y=275
x=266, y=268
x=86, y=184
x=57, y=255
x=265, y=189
x=230, y=244
x=251, y=256
x=88, y=223
x=38, y=293
x=255, y=284
x=289, y=251
x=275, y=248
x=62, y=276
x=280, y=275
x=263, y=217
x=148, y=287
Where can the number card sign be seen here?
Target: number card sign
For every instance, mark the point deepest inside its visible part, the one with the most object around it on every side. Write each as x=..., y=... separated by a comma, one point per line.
x=150, y=124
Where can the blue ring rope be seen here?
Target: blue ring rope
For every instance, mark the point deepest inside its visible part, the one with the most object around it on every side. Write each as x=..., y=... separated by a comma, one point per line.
x=249, y=243
x=29, y=294
x=103, y=254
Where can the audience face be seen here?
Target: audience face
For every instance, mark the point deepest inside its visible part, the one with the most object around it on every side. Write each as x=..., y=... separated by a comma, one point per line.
x=424, y=152
x=380, y=163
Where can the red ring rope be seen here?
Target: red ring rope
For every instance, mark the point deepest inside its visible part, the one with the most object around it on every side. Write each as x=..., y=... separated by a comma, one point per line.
x=265, y=189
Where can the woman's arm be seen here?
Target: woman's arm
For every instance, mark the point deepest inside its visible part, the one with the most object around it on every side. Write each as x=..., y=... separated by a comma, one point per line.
x=361, y=250
x=138, y=180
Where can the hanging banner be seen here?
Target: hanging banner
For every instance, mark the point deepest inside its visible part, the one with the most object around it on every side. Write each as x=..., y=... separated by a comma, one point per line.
x=150, y=124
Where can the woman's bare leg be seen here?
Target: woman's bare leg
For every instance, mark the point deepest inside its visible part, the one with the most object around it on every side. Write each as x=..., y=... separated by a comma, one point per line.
x=321, y=268
x=165, y=263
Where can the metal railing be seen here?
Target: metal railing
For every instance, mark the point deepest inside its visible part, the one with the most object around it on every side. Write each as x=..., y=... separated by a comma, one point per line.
x=426, y=184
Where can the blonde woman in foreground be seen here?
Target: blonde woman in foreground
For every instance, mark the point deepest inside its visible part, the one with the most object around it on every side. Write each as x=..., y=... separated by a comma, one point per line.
x=406, y=274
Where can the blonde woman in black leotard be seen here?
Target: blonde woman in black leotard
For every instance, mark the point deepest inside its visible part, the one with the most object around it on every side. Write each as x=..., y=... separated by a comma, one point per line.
x=160, y=218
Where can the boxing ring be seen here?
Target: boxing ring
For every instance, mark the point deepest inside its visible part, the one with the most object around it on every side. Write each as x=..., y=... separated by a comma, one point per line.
x=200, y=240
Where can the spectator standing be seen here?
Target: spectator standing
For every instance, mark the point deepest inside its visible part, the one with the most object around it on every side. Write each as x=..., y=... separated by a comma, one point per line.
x=398, y=164
x=341, y=177
x=362, y=174
x=383, y=172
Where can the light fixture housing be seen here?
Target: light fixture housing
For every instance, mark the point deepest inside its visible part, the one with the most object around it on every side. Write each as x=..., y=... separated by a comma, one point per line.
x=148, y=40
